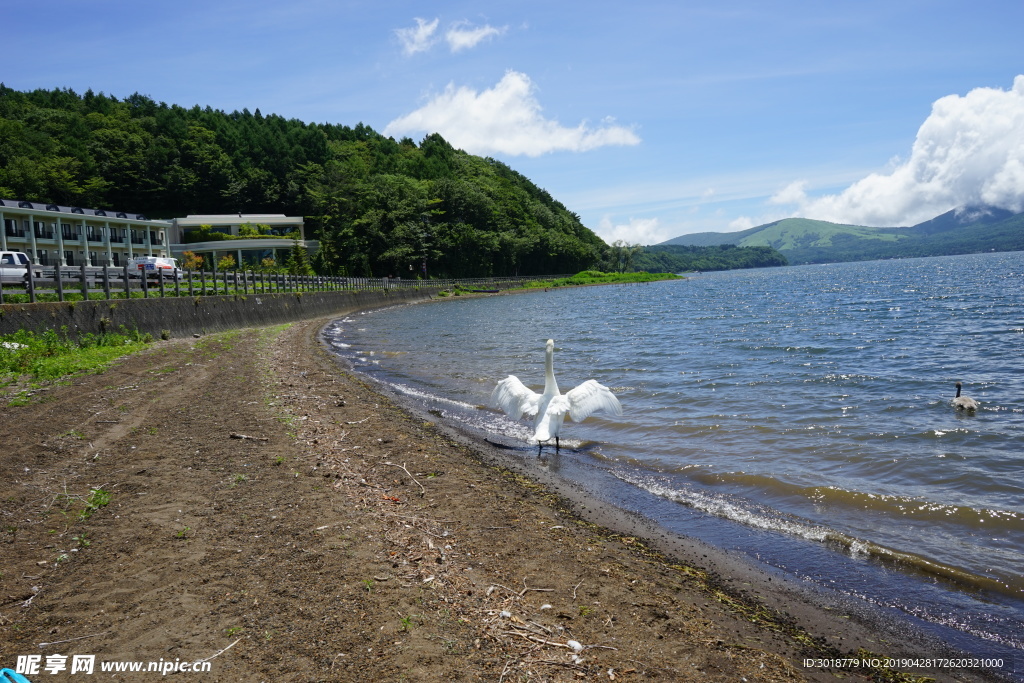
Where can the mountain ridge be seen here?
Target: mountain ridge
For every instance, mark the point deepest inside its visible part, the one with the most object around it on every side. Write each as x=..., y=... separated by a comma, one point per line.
x=963, y=230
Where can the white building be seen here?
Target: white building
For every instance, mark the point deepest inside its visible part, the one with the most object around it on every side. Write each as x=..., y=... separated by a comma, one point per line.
x=187, y=235
x=70, y=235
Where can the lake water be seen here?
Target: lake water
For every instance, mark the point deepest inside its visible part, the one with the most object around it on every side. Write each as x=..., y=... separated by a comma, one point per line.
x=799, y=415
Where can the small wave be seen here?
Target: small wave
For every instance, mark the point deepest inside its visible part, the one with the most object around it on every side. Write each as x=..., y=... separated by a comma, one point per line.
x=724, y=506
x=909, y=508
x=433, y=398
x=764, y=518
x=915, y=508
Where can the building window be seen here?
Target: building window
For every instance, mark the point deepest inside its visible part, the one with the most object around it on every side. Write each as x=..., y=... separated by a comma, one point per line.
x=11, y=228
x=42, y=231
x=69, y=258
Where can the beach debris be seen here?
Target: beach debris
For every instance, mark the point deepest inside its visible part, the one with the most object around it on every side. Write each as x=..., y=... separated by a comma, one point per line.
x=574, y=645
x=423, y=491
x=70, y=640
x=235, y=435
x=35, y=594
x=219, y=652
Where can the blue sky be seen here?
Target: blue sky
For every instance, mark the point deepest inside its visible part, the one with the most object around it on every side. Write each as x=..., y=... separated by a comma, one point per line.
x=649, y=119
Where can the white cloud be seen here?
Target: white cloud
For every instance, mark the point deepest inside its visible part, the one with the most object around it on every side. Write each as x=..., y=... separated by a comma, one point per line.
x=505, y=119
x=970, y=150
x=463, y=37
x=644, y=231
x=417, y=39
x=794, y=193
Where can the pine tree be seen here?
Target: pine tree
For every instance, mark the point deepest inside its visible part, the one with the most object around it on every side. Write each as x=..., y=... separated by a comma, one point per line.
x=298, y=260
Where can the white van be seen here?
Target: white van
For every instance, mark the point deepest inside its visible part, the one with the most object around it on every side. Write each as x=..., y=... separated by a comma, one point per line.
x=152, y=266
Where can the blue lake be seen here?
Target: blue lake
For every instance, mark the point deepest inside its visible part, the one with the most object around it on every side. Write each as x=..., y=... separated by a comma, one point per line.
x=799, y=415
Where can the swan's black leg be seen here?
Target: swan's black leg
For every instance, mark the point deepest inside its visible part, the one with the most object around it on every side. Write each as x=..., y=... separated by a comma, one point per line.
x=556, y=444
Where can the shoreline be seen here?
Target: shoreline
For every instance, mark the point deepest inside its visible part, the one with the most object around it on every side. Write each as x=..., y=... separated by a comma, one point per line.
x=840, y=622
x=836, y=622
x=278, y=517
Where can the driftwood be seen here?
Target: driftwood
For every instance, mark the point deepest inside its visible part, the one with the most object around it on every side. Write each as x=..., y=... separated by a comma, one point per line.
x=251, y=438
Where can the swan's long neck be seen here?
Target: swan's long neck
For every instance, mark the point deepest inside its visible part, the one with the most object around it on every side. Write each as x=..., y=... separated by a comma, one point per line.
x=550, y=385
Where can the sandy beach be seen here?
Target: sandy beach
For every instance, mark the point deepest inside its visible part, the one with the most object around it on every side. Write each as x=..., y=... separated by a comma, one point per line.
x=268, y=515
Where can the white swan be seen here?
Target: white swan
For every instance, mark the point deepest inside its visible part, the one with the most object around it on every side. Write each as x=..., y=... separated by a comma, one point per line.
x=962, y=402
x=551, y=407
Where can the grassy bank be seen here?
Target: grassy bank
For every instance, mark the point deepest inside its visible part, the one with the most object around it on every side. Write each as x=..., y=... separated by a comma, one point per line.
x=26, y=356
x=596, y=277
x=586, y=277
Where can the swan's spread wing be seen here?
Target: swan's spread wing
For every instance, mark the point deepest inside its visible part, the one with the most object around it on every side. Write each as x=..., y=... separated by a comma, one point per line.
x=591, y=397
x=514, y=398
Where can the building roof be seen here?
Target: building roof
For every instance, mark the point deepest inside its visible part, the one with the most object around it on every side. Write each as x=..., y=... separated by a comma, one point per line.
x=226, y=216
x=74, y=210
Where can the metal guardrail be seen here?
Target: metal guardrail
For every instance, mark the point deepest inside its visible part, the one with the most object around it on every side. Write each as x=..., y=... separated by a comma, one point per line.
x=122, y=283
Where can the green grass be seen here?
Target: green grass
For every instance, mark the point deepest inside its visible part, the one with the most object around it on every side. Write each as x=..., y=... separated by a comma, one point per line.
x=596, y=277
x=586, y=277
x=96, y=499
x=50, y=355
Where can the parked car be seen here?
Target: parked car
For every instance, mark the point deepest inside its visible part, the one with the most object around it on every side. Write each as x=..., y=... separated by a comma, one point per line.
x=152, y=266
x=14, y=267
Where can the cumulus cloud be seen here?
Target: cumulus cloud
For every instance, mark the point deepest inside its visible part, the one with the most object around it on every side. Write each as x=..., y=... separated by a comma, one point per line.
x=506, y=119
x=741, y=223
x=970, y=150
x=461, y=36
x=418, y=38
x=794, y=193
x=644, y=231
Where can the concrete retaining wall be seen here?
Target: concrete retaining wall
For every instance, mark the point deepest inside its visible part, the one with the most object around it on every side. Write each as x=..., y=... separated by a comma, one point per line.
x=185, y=316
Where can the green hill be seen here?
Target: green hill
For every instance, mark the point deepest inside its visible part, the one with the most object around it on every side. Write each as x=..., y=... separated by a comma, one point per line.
x=676, y=258
x=801, y=240
x=378, y=206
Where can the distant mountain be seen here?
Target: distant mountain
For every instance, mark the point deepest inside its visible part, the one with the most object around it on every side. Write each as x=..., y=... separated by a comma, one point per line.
x=966, y=230
x=961, y=218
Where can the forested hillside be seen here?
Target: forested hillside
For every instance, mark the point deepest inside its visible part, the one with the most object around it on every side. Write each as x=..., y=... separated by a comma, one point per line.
x=679, y=259
x=378, y=206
